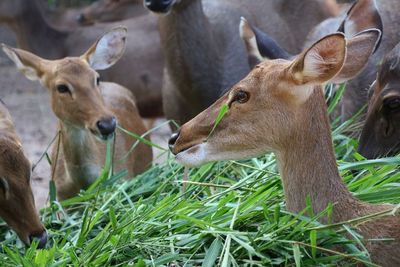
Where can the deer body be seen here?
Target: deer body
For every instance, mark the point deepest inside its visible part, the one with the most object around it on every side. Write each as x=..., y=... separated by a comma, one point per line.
x=35, y=34
x=203, y=52
x=280, y=107
x=88, y=111
x=17, y=205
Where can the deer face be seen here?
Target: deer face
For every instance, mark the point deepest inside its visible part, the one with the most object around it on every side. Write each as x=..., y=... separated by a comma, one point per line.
x=381, y=132
x=160, y=6
x=263, y=108
x=105, y=10
x=73, y=83
x=17, y=206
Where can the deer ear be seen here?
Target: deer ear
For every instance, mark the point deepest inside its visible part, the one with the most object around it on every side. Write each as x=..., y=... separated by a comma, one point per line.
x=259, y=45
x=363, y=15
x=29, y=64
x=107, y=50
x=359, y=50
x=321, y=62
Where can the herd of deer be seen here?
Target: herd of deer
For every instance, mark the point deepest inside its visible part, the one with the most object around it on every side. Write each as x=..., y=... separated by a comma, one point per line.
x=276, y=56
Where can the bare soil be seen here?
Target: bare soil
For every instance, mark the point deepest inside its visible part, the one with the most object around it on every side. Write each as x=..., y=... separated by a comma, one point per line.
x=35, y=122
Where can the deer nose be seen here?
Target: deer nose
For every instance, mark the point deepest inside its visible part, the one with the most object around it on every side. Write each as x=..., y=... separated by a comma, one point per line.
x=161, y=6
x=172, y=140
x=107, y=126
x=42, y=237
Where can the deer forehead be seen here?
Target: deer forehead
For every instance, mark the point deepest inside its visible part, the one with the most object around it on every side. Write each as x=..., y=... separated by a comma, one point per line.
x=72, y=70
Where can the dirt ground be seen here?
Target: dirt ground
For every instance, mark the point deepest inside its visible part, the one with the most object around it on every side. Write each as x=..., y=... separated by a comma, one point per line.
x=35, y=122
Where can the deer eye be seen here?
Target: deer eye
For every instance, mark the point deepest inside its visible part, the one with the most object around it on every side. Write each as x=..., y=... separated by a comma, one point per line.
x=98, y=81
x=392, y=103
x=62, y=88
x=241, y=97
x=4, y=187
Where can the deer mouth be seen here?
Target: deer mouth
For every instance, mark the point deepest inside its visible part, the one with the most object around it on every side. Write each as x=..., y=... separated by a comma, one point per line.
x=101, y=137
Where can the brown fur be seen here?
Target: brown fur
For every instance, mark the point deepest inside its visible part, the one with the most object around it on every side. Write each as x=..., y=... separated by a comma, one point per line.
x=17, y=205
x=82, y=155
x=140, y=70
x=287, y=115
x=204, y=55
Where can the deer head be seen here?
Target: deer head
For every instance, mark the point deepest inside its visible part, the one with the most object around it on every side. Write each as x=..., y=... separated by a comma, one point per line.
x=73, y=83
x=268, y=108
x=17, y=206
x=380, y=135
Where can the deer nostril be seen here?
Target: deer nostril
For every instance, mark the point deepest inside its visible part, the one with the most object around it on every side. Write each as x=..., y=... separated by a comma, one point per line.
x=81, y=18
x=107, y=126
x=172, y=140
x=41, y=237
x=158, y=5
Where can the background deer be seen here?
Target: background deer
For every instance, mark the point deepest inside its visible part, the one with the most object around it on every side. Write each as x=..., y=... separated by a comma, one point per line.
x=111, y=10
x=202, y=48
x=280, y=107
x=17, y=206
x=36, y=35
x=88, y=111
x=380, y=135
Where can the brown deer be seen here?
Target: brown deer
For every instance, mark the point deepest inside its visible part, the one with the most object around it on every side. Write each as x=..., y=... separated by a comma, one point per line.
x=202, y=48
x=88, y=111
x=140, y=70
x=17, y=205
x=111, y=10
x=380, y=135
x=280, y=107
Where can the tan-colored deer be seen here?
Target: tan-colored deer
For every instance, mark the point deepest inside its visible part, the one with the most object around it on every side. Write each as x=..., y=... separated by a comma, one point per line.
x=17, y=205
x=140, y=70
x=203, y=52
x=88, y=111
x=280, y=107
x=381, y=133
x=111, y=10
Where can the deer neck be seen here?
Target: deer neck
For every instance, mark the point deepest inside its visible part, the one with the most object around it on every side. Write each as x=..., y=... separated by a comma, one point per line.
x=35, y=34
x=308, y=166
x=192, y=52
x=81, y=154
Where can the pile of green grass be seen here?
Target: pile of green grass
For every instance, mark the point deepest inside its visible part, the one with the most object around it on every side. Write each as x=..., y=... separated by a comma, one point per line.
x=231, y=214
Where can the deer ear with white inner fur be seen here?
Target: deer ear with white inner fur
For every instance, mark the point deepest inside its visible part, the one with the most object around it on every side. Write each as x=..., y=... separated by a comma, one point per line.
x=107, y=50
x=321, y=62
x=27, y=63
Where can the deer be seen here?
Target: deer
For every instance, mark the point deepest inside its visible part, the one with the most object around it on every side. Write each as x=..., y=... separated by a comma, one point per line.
x=362, y=15
x=88, y=112
x=279, y=107
x=202, y=48
x=380, y=134
x=140, y=70
x=17, y=204
x=110, y=11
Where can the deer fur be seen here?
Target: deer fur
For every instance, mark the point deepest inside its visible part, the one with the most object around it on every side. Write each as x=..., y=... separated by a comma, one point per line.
x=203, y=52
x=140, y=70
x=81, y=108
x=17, y=205
x=280, y=107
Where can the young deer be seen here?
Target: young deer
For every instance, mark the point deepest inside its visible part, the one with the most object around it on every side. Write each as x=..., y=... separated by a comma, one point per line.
x=88, y=112
x=280, y=107
x=381, y=133
x=17, y=206
x=143, y=57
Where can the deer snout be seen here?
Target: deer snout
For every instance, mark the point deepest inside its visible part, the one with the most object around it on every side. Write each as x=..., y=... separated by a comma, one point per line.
x=107, y=126
x=172, y=141
x=42, y=237
x=158, y=6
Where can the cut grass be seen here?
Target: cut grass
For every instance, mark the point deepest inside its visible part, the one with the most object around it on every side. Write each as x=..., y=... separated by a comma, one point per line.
x=231, y=214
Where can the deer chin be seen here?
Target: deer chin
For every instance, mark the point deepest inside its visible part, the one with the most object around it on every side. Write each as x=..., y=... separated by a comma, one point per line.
x=194, y=156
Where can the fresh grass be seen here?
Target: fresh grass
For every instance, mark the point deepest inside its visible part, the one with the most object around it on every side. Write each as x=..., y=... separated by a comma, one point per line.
x=231, y=214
